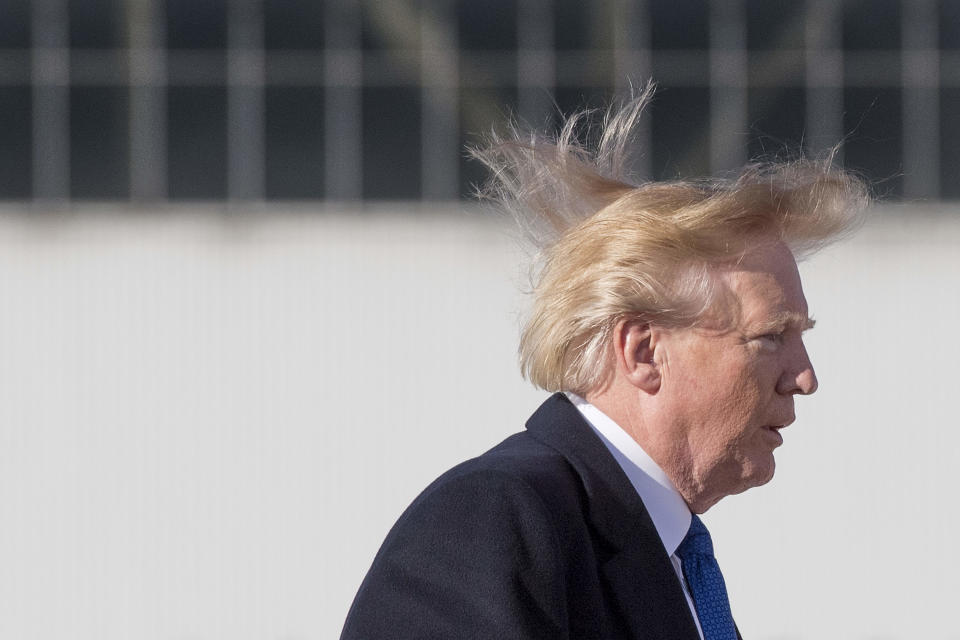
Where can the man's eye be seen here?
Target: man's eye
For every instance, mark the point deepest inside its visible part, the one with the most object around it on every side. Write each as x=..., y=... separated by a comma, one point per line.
x=773, y=338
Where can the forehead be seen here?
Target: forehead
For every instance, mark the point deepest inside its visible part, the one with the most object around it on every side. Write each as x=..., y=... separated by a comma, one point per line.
x=766, y=284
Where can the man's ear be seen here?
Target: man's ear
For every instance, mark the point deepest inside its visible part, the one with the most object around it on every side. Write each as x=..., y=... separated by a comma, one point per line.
x=635, y=346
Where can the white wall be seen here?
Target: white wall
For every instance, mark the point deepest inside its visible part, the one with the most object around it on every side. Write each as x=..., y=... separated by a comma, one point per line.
x=208, y=424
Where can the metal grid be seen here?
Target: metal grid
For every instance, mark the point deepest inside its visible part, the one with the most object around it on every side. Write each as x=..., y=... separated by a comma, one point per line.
x=453, y=89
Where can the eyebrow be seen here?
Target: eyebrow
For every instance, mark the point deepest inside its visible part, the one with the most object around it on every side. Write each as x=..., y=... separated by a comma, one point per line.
x=784, y=319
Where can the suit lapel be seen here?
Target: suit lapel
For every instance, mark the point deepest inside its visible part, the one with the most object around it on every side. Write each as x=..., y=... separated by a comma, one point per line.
x=650, y=599
x=637, y=569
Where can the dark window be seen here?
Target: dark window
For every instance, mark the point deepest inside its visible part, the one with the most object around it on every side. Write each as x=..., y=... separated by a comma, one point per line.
x=488, y=25
x=99, y=142
x=950, y=144
x=583, y=25
x=487, y=69
x=871, y=25
x=571, y=99
x=293, y=25
x=96, y=24
x=872, y=122
x=949, y=19
x=775, y=24
x=777, y=118
x=680, y=25
x=587, y=67
x=15, y=167
x=680, y=132
x=681, y=68
x=480, y=109
x=196, y=24
x=294, y=139
x=197, y=142
x=15, y=24
x=391, y=142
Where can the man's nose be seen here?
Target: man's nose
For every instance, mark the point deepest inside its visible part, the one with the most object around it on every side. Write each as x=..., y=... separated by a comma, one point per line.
x=798, y=377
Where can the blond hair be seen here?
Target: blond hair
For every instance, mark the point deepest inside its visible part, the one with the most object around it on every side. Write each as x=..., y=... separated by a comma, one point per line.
x=606, y=249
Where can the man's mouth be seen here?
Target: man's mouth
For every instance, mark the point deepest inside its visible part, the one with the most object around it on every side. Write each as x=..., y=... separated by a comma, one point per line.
x=774, y=430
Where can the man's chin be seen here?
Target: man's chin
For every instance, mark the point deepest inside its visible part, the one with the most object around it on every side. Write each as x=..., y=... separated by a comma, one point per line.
x=764, y=474
x=737, y=480
x=758, y=475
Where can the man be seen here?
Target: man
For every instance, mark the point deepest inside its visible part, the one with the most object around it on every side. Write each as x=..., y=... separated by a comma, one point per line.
x=668, y=318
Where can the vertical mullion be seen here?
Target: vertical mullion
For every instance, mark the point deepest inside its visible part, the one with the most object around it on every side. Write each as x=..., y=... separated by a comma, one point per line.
x=632, y=67
x=824, y=76
x=50, y=80
x=439, y=121
x=343, y=116
x=245, y=109
x=921, y=101
x=536, y=59
x=148, y=105
x=728, y=85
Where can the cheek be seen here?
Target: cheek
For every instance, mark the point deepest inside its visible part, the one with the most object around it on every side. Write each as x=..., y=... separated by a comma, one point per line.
x=739, y=406
x=720, y=395
x=738, y=383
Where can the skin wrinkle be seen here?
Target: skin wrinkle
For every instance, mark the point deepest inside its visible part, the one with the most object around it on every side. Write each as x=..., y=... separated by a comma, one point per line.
x=704, y=271
x=595, y=234
x=727, y=458
x=703, y=401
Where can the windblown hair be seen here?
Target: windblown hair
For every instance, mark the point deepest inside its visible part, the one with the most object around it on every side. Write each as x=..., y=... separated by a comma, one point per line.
x=607, y=249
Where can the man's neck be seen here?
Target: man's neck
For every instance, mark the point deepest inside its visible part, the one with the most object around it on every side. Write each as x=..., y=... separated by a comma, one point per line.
x=640, y=417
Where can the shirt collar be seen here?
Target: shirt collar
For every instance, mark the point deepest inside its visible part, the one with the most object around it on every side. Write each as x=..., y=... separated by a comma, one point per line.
x=666, y=506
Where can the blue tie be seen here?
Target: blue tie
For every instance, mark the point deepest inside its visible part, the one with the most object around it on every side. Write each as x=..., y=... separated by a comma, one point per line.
x=705, y=582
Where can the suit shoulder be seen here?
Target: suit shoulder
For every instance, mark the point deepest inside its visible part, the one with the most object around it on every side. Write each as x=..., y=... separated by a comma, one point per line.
x=521, y=463
x=519, y=478
x=485, y=540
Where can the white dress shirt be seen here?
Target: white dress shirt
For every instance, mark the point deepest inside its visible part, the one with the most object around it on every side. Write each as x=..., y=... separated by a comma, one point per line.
x=666, y=506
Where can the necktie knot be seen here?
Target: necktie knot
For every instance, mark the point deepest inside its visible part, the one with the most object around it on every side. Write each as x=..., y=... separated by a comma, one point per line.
x=696, y=542
x=705, y=583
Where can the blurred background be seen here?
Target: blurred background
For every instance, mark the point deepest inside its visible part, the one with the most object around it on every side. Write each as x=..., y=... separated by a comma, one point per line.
x=251, y=309
x=148, y=101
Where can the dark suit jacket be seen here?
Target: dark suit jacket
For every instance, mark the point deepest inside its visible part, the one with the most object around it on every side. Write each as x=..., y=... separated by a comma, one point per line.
x=542, y=536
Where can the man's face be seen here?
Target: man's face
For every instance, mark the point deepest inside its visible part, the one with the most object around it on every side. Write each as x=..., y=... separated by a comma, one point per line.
x=730, y=391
